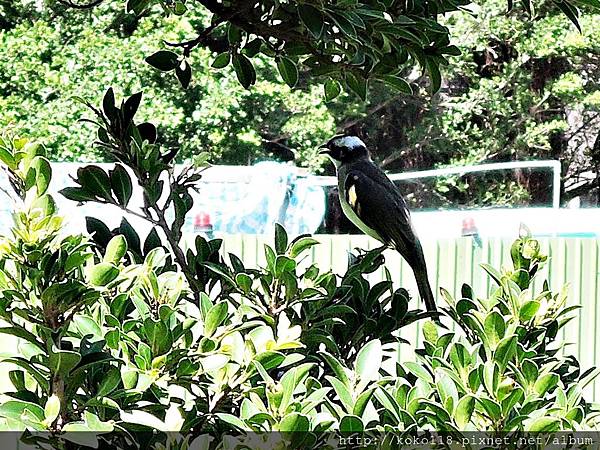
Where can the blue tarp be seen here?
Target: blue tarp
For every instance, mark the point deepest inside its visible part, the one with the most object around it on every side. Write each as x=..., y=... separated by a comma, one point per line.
x=269, y=192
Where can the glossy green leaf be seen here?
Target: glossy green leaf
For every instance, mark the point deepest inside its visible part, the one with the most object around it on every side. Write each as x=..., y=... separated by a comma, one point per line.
x=121, y=185
x=215, y=317
x=312, y=18
x=244, y=70
x=101, y=274
x=115, y=250
x=288, y=71
x=368, y=361
x=332, y=89
x=163, y=60
x=464, y=410
x=351, y=424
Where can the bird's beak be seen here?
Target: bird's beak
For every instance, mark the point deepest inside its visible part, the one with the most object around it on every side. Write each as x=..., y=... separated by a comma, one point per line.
x=323, y=150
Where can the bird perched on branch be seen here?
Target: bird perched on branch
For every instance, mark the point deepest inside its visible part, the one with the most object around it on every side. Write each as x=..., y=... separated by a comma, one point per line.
x=374, y=204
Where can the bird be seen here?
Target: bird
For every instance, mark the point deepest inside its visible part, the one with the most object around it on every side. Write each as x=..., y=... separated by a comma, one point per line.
x=375, y=205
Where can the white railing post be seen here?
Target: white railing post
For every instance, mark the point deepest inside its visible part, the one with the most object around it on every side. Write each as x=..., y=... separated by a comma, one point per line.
x=552, y=164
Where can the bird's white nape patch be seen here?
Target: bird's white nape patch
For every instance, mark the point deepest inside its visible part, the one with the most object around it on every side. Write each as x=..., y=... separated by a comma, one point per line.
x=349, y=142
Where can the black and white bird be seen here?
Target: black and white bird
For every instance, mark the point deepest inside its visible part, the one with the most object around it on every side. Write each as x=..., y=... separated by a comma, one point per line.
x=374, y=204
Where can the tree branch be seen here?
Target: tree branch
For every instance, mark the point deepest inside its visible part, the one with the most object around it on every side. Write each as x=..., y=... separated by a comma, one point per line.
x=90, y=5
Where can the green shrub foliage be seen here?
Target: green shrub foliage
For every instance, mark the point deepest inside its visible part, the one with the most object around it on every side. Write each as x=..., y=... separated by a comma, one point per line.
x=121, y=334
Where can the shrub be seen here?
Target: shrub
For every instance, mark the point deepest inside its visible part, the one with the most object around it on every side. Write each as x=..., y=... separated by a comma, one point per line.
x=121, y=335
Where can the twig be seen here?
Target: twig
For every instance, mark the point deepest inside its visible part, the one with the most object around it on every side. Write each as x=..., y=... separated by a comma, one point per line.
x=90, y=5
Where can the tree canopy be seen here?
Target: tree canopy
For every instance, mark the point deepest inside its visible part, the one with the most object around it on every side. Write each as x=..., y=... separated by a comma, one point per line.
x=349, y=42
x=522, y=88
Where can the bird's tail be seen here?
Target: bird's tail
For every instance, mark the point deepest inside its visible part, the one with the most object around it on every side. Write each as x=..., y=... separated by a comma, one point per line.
x=425, y=290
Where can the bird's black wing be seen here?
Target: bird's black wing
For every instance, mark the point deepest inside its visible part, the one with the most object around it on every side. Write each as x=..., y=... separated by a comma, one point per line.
x=378, y=203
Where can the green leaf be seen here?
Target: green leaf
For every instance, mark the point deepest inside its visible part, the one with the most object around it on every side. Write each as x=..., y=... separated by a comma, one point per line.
x=492, y=272
x=464, y=410
x=7, y=158
x=505, y=351
x=433, y=69
x=368, y=361
x=570, y=11
x=398, y=83
x=110, y=382
x=234, y=34
x=152, y=241
x=137, y=6
x=545, y=383
x=14, y=409
x=121, y=185
x=87, y=326
x=43, y=174
x=288, y=71
x=494, y=327
x=244, y=70
x=219, y=270
x=301, y=245
x=419, y=371
x=430, y=332
x=529, y=310
x=183, y=72
x=215, y=317
x=337, y=367
x=332, y=89
x=357, y=84
x=96, y=181
x=63, y=361
x=492, y=408
x=108, y=104
x=222, y=60
x=98, y=230
x=163, y=60
x=233, y=420
x=281, y=239
x=362, y=401
x=545, y=424
x=39, y=375
x=290, y=381
x=312, y=18
x=294, y=422
x=77, y=194
x=115, y=250
x=342, y=392
x=491, y=377
x=351, y=424
x=101, y=274
x=159, y=336
x=23, y=334
x=244, y=282
x=51, y=409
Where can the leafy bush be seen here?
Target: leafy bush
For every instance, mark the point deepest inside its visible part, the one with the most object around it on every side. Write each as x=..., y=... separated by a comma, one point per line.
x=121, y=335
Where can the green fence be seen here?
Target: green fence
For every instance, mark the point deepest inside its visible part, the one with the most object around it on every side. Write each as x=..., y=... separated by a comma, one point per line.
x=573, y=261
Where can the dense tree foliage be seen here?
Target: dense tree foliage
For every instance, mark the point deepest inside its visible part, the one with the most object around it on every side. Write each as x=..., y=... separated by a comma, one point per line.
x=47, y=62
x=520, y=89
x=352, y=43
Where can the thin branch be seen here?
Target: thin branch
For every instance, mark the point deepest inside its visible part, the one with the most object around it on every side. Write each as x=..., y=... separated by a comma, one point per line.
x=90, y=5
x=201, y=39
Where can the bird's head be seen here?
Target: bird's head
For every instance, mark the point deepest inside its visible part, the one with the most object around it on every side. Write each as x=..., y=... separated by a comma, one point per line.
x=344, y=148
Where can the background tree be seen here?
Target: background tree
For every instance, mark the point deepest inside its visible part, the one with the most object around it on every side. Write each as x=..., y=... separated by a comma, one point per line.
x=522, y=88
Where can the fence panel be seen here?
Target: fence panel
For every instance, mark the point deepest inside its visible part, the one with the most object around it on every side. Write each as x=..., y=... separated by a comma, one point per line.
x=573, y=261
